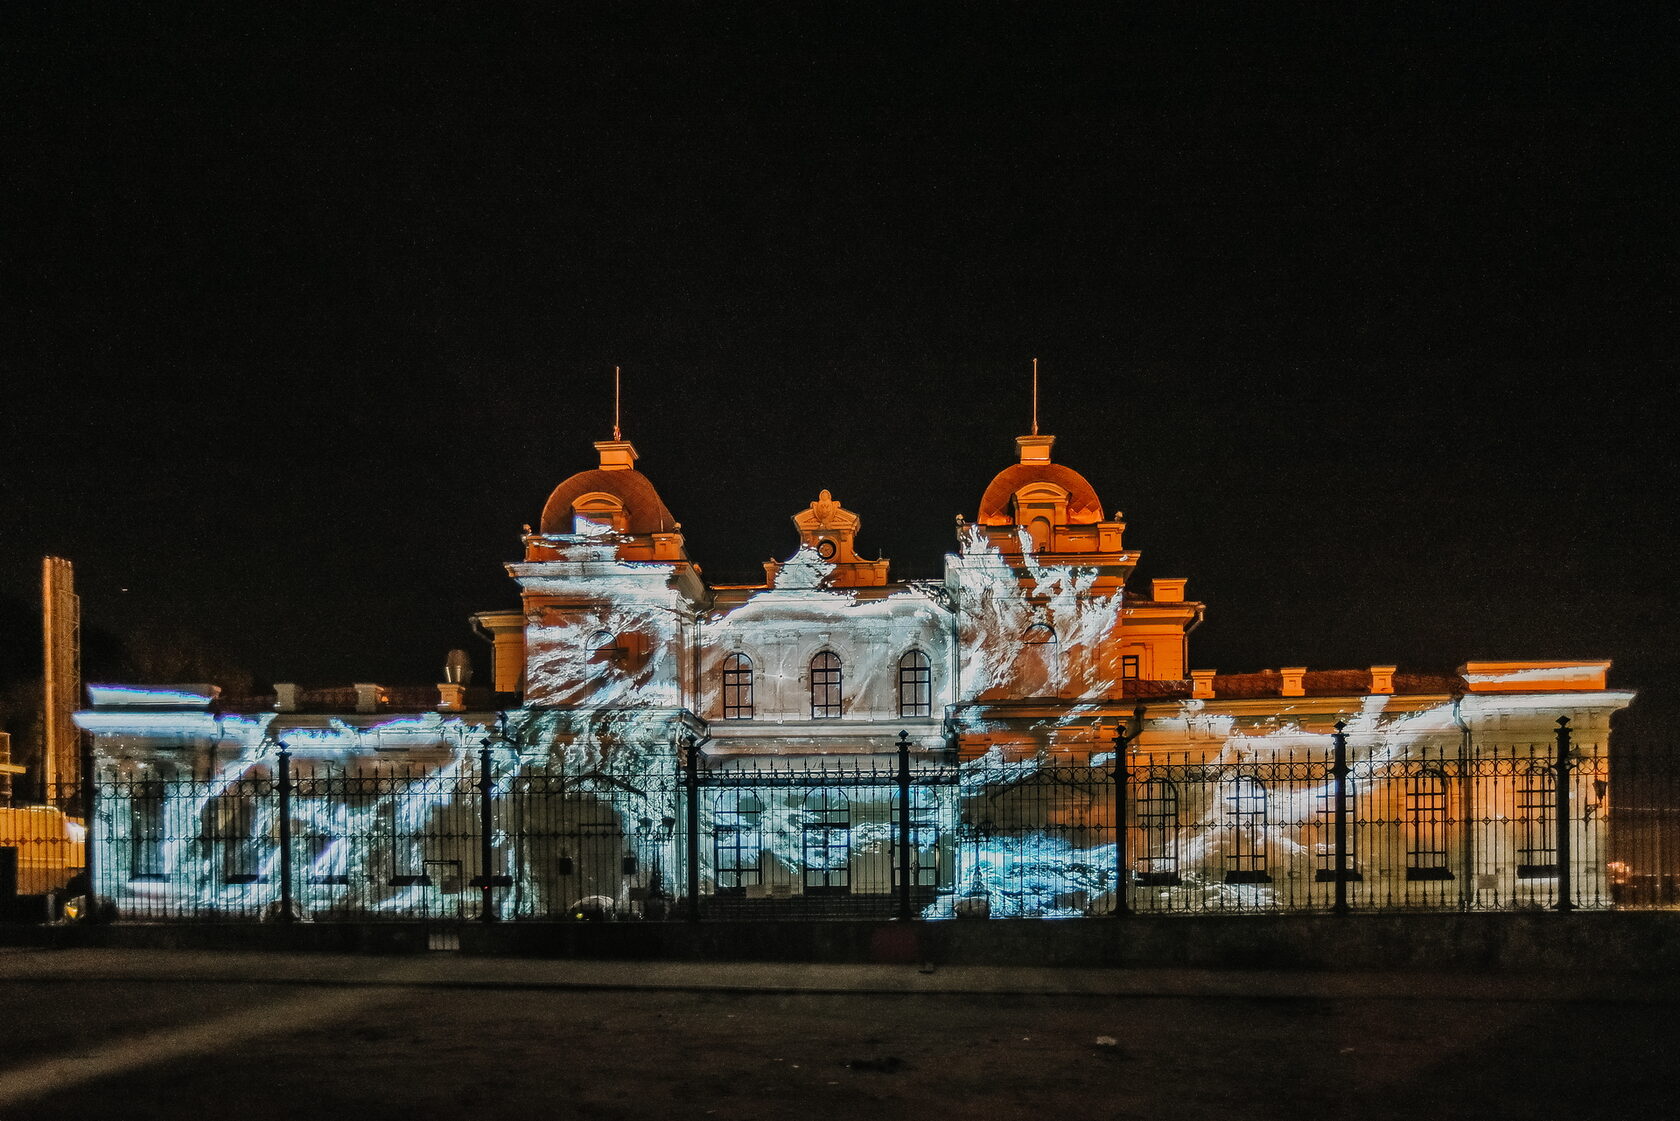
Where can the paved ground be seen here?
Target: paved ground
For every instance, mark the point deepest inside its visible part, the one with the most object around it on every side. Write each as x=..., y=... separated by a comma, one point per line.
x=138, y=1034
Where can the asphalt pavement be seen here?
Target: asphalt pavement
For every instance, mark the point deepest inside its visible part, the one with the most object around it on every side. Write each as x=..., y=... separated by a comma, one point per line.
x=253, y=1035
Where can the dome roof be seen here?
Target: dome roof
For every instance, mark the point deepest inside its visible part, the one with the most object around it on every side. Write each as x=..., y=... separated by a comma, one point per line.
x=1082, y=508
x=644, y=512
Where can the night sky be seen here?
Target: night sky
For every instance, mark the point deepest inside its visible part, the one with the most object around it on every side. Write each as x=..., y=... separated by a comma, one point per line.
x=1366, y=320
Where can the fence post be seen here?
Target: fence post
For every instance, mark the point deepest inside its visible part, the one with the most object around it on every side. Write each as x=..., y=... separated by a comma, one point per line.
x=486, y=838
x=691, y=784
x=1339, y=768
x=1565, y=902
x=90, y=842
x=285, y=792
x=904, y=838
x=1122, y=780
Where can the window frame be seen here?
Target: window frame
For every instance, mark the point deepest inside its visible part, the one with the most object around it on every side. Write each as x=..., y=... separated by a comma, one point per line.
x=826, y=828
x=1537, y=839
x=737, y=687
x=828, y=690
x=915, y=673
x=1428, y=820
x=1156, y=810
x=737, y=830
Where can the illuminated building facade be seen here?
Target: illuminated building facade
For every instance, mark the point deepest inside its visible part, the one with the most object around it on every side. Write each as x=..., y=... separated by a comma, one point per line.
x=1009, y=677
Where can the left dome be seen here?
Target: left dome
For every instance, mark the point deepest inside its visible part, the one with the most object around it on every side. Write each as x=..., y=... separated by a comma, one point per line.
x=613, y=495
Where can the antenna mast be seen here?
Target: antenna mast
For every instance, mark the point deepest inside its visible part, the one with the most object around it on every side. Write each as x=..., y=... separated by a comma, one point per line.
x=1035, y=397
x=617, y=435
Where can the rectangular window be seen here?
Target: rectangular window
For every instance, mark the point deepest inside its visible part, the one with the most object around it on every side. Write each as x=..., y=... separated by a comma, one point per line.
x=147, y=806
x=1426, y=811
x=1325, y=856
x=1156, y=864
x=1245, y=813
x=1536, y=818
x=1129, y=667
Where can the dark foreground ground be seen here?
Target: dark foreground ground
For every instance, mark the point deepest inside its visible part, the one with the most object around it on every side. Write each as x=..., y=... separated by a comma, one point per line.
x=137, y=1034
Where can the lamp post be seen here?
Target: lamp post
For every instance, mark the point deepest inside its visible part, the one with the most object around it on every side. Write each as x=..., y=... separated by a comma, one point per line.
x=1339, y=769
x=1123, y=738
x=283, y=775
x=486, y=820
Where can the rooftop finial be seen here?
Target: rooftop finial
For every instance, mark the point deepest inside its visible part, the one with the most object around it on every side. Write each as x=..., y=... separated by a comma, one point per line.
x=617, y=434
x=1035, y=397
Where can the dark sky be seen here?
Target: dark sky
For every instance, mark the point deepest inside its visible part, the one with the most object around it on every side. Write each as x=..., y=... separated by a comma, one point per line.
x=1366, y=320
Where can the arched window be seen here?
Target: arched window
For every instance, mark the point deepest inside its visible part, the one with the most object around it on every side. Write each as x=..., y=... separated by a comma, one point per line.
x=1536, y=818
x=1039, y=634
x=915, y=685
x=827, y=837
x=825, y=685
x=737, y=687
x=601, y=656
x=596, y=514
x=737, y=839
x=1157, y=820
x=1245, y=816
x=1426, y=813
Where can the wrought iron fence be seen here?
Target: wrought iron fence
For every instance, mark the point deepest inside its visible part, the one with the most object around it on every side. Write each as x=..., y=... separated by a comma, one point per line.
x=483, y=835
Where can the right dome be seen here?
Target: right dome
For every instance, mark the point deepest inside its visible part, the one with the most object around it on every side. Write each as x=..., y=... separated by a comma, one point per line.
x=1036, y=482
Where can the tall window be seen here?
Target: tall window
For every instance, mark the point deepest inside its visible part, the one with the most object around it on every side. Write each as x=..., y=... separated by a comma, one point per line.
x=1426, y=813
x=232, y=817
x=146, y=830
x=825, y=685
x=737, y=839
x=737, y=687
x=1129, y=667
x=915, y=685
x=924, y=838
x=1245, y=816
x=827, y=837
x=407, y=844
x=1157, y=820
x=1326, y=847
x=1536, y=818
